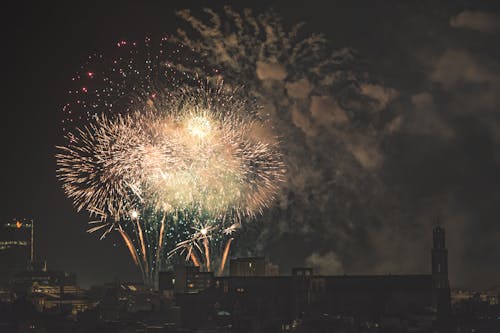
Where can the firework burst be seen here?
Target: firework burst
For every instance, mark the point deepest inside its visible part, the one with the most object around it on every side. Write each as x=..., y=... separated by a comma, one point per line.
x=178, y=169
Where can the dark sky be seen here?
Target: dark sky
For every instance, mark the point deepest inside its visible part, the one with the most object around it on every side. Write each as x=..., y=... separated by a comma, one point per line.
x=442, y=62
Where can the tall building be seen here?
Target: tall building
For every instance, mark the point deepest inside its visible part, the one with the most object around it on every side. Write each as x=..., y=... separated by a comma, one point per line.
x=16, y=247
x=440, y=283
x=439, y=255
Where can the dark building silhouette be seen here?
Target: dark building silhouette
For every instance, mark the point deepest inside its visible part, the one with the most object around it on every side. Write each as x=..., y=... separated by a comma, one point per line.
x=259, y=303
x=302, y=271
x=253, y=266
x=187, y=279
x=439, y=259
x=166, y=281
x=24, y=282
x=16, y=251
x=440, y=282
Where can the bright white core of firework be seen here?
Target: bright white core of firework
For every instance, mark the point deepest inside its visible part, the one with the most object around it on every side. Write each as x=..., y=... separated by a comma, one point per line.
x=199, y=126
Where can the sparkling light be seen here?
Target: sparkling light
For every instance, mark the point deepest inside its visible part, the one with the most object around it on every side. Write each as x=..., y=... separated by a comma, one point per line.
x=199, y=126
x=183, y=156
x=174, y=166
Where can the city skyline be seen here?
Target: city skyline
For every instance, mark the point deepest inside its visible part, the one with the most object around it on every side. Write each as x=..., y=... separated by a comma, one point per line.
x=360, y=199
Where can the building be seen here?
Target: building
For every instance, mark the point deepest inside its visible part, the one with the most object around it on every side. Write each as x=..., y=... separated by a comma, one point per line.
x=44, y=281
x=302, y=271
x=119, y=301
x=272, y=269
x=16, y=247
x=441, y=298
x=258, y=303
x=253, y=266
x=166, y=282
x=70, y=304
x=186, y=279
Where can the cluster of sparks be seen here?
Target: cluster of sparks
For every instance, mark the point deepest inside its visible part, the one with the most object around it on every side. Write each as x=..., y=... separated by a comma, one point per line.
x=176, y=173
x=190, y=154
x=175, y=164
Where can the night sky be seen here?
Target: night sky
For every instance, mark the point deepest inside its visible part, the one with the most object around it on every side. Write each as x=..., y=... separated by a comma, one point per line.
x=429, y=156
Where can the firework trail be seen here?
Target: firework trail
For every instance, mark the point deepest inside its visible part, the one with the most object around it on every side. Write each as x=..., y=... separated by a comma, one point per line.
x=130, y=247
x=175, y=166
x=224, y=256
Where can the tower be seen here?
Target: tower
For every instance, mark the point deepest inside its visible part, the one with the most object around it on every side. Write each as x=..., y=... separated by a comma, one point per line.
x=439, y=260
x=440, y=282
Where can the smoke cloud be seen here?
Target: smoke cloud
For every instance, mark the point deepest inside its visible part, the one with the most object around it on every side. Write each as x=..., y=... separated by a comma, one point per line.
x=371, y=167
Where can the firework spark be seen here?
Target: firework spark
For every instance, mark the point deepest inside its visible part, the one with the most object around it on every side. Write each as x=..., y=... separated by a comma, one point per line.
x=192, y=155
x=224, y=255
x=198, y=152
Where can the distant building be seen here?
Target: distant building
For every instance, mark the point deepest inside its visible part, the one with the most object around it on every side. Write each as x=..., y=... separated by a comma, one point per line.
x=16, y=251
x=70, y=304
x=166, y=281
x=440, y=283
x=253, y=266
x=117, y=301
x=50, y=291
x=188, y=279
x=259, y=303
x=26, y=281
x=302, y=271
x=272, y=269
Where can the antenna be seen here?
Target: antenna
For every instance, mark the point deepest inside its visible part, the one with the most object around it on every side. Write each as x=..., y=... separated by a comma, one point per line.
x=32, y=254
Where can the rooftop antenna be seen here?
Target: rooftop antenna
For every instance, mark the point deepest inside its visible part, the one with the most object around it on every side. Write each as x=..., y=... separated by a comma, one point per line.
x=32, y=254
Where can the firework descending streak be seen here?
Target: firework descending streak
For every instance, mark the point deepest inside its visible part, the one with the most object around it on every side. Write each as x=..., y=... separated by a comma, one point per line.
x=173, y=163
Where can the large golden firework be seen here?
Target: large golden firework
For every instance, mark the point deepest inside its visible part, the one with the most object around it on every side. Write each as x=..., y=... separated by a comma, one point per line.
x=200, y=151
